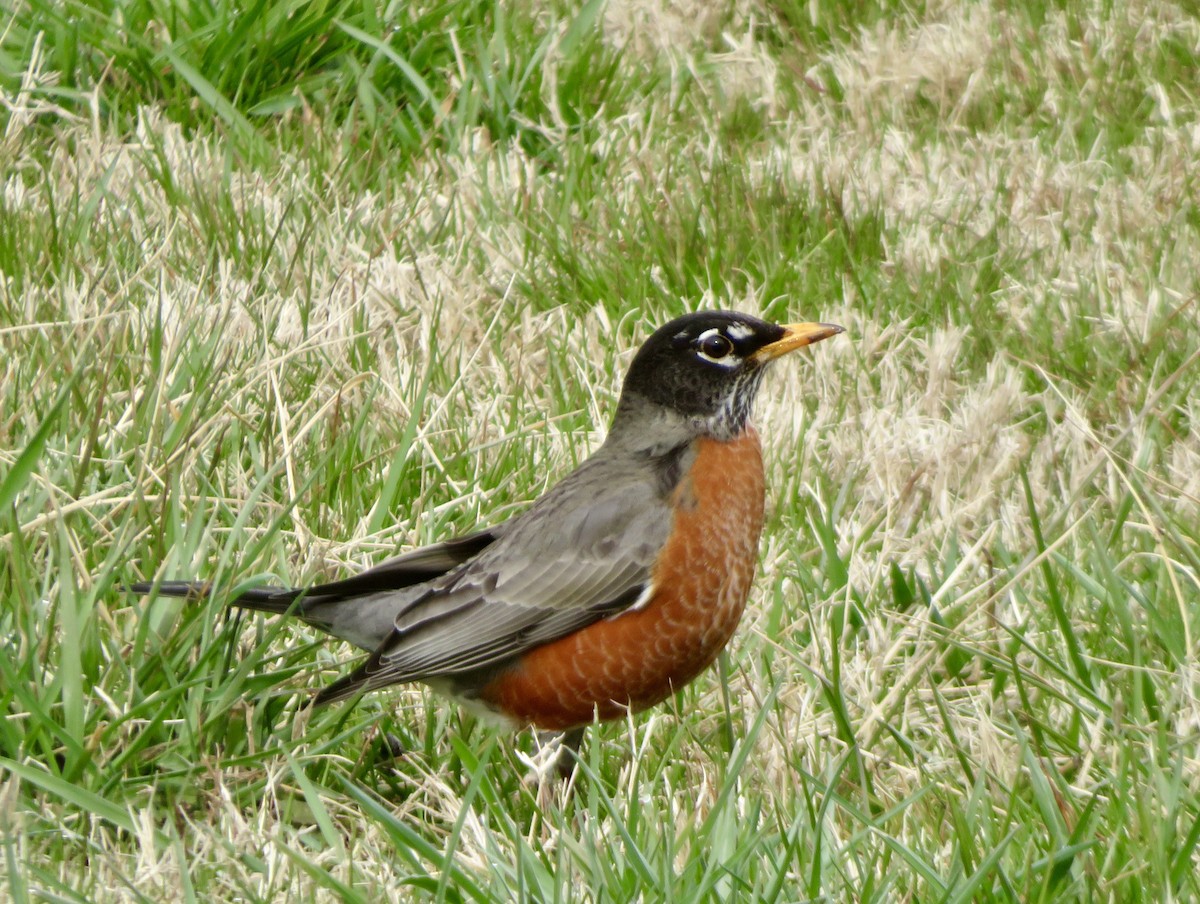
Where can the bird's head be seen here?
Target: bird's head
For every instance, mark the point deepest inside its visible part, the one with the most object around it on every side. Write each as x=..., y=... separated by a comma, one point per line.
x=704, y=369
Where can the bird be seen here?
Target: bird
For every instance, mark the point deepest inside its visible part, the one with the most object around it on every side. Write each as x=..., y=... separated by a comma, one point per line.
x=612, y=590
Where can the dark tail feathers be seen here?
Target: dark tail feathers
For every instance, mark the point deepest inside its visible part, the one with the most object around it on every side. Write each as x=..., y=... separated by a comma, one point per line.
x=277, y=600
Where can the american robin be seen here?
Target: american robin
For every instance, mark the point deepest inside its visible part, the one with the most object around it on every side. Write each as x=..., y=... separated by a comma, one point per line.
x=615, y=588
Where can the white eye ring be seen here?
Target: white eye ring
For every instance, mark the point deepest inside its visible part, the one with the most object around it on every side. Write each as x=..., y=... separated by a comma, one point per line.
x=715, y=346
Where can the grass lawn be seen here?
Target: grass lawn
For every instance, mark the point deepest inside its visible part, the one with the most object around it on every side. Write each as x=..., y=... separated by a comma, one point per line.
x=284, y=291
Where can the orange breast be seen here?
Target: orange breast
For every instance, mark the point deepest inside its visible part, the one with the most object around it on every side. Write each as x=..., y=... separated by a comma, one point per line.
x=640, y=657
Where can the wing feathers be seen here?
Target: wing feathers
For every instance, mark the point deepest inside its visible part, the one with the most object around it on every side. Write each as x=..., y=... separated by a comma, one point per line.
x=558, y=568
x=408, y=570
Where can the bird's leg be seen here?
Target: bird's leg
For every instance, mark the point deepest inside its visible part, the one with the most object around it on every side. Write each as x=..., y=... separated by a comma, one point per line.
x=569, y=743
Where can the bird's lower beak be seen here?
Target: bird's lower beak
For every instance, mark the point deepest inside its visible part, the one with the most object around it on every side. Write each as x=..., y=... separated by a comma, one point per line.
x=796, y=335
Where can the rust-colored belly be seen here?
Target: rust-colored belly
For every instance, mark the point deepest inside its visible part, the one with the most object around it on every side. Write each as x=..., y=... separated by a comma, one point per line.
x=642, y=656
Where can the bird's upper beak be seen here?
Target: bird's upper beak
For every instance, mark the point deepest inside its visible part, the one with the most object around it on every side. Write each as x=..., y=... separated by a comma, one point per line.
x=796, y=335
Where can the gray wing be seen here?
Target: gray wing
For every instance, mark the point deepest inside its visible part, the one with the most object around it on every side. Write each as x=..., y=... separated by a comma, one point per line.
x=583, y=552
x=409, y=569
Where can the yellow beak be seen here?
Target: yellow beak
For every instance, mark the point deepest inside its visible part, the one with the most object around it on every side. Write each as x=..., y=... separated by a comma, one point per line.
x=796, y=335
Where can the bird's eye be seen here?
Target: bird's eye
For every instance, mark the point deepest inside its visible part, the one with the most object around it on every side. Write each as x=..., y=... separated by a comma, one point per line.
x=715, y=346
